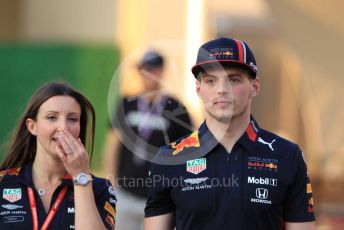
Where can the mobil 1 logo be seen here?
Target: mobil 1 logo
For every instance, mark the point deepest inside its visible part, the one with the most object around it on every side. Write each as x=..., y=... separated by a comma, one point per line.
x=261, y=181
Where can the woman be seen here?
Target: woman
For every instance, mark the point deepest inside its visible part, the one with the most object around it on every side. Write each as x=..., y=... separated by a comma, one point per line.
x=46, y=179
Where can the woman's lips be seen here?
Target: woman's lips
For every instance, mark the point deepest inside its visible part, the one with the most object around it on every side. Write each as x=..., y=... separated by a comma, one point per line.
x=55, y=139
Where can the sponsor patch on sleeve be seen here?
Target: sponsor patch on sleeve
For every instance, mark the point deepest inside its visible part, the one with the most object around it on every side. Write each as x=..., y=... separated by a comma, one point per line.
x=108, y=207
x=310, y=196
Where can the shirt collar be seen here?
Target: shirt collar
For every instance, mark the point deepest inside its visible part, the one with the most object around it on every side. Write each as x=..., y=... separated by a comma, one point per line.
x=25, y=176
x=247, y=140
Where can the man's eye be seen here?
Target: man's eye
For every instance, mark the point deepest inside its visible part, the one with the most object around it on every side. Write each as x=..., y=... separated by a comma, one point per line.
x=234, y=80
x=210, y=81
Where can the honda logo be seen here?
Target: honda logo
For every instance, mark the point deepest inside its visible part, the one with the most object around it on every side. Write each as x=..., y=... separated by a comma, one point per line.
x=262, y=193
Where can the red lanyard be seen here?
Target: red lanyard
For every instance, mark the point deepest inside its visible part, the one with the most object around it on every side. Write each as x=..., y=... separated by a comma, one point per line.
x=52, y=211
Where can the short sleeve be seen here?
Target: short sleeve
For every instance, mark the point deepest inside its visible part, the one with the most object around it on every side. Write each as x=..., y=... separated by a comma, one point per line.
x=159, y=199
x=106, y=204
x=299, y=206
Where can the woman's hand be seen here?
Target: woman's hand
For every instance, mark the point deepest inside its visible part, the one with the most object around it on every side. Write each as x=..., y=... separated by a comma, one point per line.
x=72, y=154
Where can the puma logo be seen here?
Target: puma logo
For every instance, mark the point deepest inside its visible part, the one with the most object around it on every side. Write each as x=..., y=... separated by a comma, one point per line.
x=267, y=143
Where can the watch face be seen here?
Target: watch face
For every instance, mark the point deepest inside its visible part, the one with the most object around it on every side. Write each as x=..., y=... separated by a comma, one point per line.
x=83, y=179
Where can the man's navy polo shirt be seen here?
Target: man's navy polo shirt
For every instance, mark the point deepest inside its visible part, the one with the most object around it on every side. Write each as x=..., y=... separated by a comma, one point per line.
x=15, y=211
x=259, y=185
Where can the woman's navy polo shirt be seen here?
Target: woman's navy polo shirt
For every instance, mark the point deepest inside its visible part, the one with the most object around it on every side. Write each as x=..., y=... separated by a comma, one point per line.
x=261, y=184
x=15, y=210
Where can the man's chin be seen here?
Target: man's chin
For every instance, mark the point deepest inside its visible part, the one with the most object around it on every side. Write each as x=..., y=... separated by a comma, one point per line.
x=223, y=118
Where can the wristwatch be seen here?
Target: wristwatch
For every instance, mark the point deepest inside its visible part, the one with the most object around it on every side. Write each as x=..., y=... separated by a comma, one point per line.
x=82, y=179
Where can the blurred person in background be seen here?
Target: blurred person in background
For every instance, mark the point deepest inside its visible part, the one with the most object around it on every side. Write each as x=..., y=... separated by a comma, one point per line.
x=141, y=124
x=46, y=180
x=235, y=175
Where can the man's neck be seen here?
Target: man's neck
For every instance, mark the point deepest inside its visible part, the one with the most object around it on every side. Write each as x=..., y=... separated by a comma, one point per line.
x=228, y=133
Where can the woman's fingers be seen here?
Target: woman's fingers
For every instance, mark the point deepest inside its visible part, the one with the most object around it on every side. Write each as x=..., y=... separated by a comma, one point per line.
x=61, y=154
x=75, y=158
x=72, y=143
x=66, y=147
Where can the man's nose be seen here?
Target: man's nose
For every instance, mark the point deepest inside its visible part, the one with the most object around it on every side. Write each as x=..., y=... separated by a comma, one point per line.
x=224, y=87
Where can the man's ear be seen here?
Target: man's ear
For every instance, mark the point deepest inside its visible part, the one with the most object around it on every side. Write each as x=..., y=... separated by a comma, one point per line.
x=198, y=87
x=31, y=126
x=255, y=87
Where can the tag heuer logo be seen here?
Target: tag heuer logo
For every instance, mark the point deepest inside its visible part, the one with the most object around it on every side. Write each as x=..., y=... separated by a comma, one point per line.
x=196, y=166
x=12, y=195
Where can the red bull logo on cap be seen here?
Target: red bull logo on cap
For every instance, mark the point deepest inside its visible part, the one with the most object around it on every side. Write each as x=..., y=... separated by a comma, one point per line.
x=190, y=141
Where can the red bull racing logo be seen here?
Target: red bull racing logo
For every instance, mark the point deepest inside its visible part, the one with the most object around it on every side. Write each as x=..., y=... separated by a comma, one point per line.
x=262, y=165
x=221, y=53
x=190, y=141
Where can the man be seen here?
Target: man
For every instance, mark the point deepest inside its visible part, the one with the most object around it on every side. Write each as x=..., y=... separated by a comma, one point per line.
x=144, y=123
x=231, y=173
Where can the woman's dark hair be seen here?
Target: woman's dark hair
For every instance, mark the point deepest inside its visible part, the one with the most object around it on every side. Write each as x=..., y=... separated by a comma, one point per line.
x=22, y=145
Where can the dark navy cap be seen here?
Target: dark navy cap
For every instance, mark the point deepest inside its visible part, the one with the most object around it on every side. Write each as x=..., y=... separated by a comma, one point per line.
x=226, y=52
x=151, y=59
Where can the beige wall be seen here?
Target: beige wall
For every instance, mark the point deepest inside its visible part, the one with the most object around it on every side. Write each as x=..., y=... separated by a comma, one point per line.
x=141, y=22
x=298, y=46
x=9, y=19
x=152, y=24
x=62, y=20
x=313, y=31
x=77, y=20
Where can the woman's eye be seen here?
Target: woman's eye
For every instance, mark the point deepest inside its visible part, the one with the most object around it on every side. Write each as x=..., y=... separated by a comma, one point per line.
x=51, y=118
x=73, y=119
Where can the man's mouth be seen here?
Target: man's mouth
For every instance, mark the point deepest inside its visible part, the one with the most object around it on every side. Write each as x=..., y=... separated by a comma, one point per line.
x=223, y=101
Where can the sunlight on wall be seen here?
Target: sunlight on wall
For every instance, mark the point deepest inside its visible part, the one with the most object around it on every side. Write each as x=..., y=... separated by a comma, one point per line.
x=194, y=35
